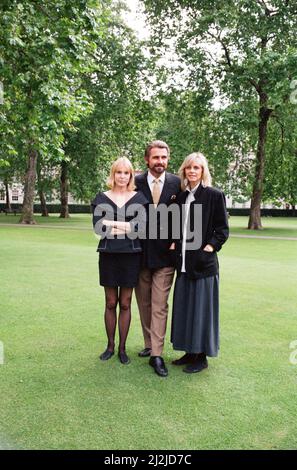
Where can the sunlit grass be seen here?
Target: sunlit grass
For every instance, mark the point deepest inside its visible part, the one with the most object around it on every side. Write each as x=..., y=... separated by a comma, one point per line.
x=272, y=226
x=55, y=393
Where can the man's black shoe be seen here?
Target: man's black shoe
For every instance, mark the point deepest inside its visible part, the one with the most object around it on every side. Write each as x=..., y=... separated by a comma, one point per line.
x=158, y=364
x=197, y=366
x=107, y=354
x=146, y=352
x=185, y=359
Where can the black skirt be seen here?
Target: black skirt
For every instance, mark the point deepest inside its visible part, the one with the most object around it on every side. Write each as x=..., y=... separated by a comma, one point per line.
x=119, y=269
x=195, y=315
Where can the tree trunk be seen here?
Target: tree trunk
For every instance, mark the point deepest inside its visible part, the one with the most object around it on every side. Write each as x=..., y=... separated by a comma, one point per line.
x=44, y=209
x=29, y=190
x=64, y=191
x=255, y=209
x=7, y=202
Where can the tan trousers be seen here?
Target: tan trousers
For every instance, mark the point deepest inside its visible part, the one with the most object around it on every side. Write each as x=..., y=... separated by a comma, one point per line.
x=152, y=294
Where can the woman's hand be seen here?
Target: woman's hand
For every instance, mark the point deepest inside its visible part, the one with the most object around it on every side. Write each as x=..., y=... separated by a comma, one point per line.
x=117, y=227
x=172, y=246
x=208, y=248
x=108, y=223
x=117, y=231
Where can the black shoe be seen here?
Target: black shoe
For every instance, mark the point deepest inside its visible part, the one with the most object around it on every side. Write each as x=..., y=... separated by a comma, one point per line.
x=123, y=357
x=158, y=364
x=186, y=359
x=107, y=354
x=146, y=352
x=197, y=366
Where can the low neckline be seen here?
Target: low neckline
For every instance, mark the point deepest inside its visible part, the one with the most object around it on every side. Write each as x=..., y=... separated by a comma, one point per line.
x=120, y=207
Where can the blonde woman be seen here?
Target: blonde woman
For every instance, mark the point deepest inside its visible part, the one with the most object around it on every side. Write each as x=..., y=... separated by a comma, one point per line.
x=195, y=318
x=119, y=251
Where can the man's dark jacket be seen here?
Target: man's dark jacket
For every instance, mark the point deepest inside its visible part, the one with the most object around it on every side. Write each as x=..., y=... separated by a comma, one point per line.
x=156, y=253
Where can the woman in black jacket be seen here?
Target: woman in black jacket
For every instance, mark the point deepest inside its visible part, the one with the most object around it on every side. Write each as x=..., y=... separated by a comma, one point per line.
x=119, y=218
x=195, y=318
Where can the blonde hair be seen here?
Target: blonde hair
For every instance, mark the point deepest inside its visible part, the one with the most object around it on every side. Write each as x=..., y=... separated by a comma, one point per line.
x=125, y=162
x=199, y=158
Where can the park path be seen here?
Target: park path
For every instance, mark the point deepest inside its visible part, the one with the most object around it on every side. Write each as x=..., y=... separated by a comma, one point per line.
x=77, y=227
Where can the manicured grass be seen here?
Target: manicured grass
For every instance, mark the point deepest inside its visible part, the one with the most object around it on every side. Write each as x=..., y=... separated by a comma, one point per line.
x=272, y=226
x=56, y=394
x=75, y=220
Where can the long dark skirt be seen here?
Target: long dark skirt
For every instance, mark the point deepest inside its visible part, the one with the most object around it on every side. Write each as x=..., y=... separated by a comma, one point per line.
x=195, y=316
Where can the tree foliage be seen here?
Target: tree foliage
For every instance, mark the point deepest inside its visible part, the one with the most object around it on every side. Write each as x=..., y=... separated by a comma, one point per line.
x=122, y=119
x=246, y=50
x=45, y=51
x=76, y=84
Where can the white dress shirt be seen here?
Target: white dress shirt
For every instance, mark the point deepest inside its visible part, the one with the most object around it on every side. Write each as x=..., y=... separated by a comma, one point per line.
x=151, y=178
x=189, y=200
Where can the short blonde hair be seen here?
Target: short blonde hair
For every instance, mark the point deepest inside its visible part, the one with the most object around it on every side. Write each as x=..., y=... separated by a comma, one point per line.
x=199, y=158
x=124, y=162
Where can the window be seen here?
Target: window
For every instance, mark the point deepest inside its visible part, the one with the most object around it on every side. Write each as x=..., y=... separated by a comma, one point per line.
x=15, y=196
x=2, y=195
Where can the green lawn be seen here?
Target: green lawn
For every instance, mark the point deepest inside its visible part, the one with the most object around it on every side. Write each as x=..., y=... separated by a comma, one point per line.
x=75, y=221
x=56, y=394
x=272, y=226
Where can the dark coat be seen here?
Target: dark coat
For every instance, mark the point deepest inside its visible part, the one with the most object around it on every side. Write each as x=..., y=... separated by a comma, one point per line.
x=215, y=231
x=156, y=253
x=104, y=208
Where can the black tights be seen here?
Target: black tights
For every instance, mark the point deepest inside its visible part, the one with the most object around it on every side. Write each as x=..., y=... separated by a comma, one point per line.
x=113, y=296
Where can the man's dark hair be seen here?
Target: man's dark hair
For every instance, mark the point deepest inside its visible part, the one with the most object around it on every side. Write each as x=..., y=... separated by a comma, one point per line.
x=156, y=143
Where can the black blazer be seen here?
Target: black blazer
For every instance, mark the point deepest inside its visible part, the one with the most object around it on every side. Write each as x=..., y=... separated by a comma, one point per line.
x=215, y=231
x=156, y=253
x=104, y=208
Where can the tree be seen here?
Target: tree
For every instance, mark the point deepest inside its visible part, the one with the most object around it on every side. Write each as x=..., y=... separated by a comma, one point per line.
x=189, y=123
x=5, y=176
x=183, y=121
x=281, y=171
x=80, y=99
x=257, y=58
x=45, y=50
x=123, y=118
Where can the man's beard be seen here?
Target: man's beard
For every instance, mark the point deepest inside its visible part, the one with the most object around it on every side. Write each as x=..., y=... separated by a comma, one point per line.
x=159, y=168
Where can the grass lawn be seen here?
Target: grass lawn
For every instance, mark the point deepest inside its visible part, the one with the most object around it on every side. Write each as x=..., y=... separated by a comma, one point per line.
x=75, y=221
x=272, y=226
x=56, y=394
